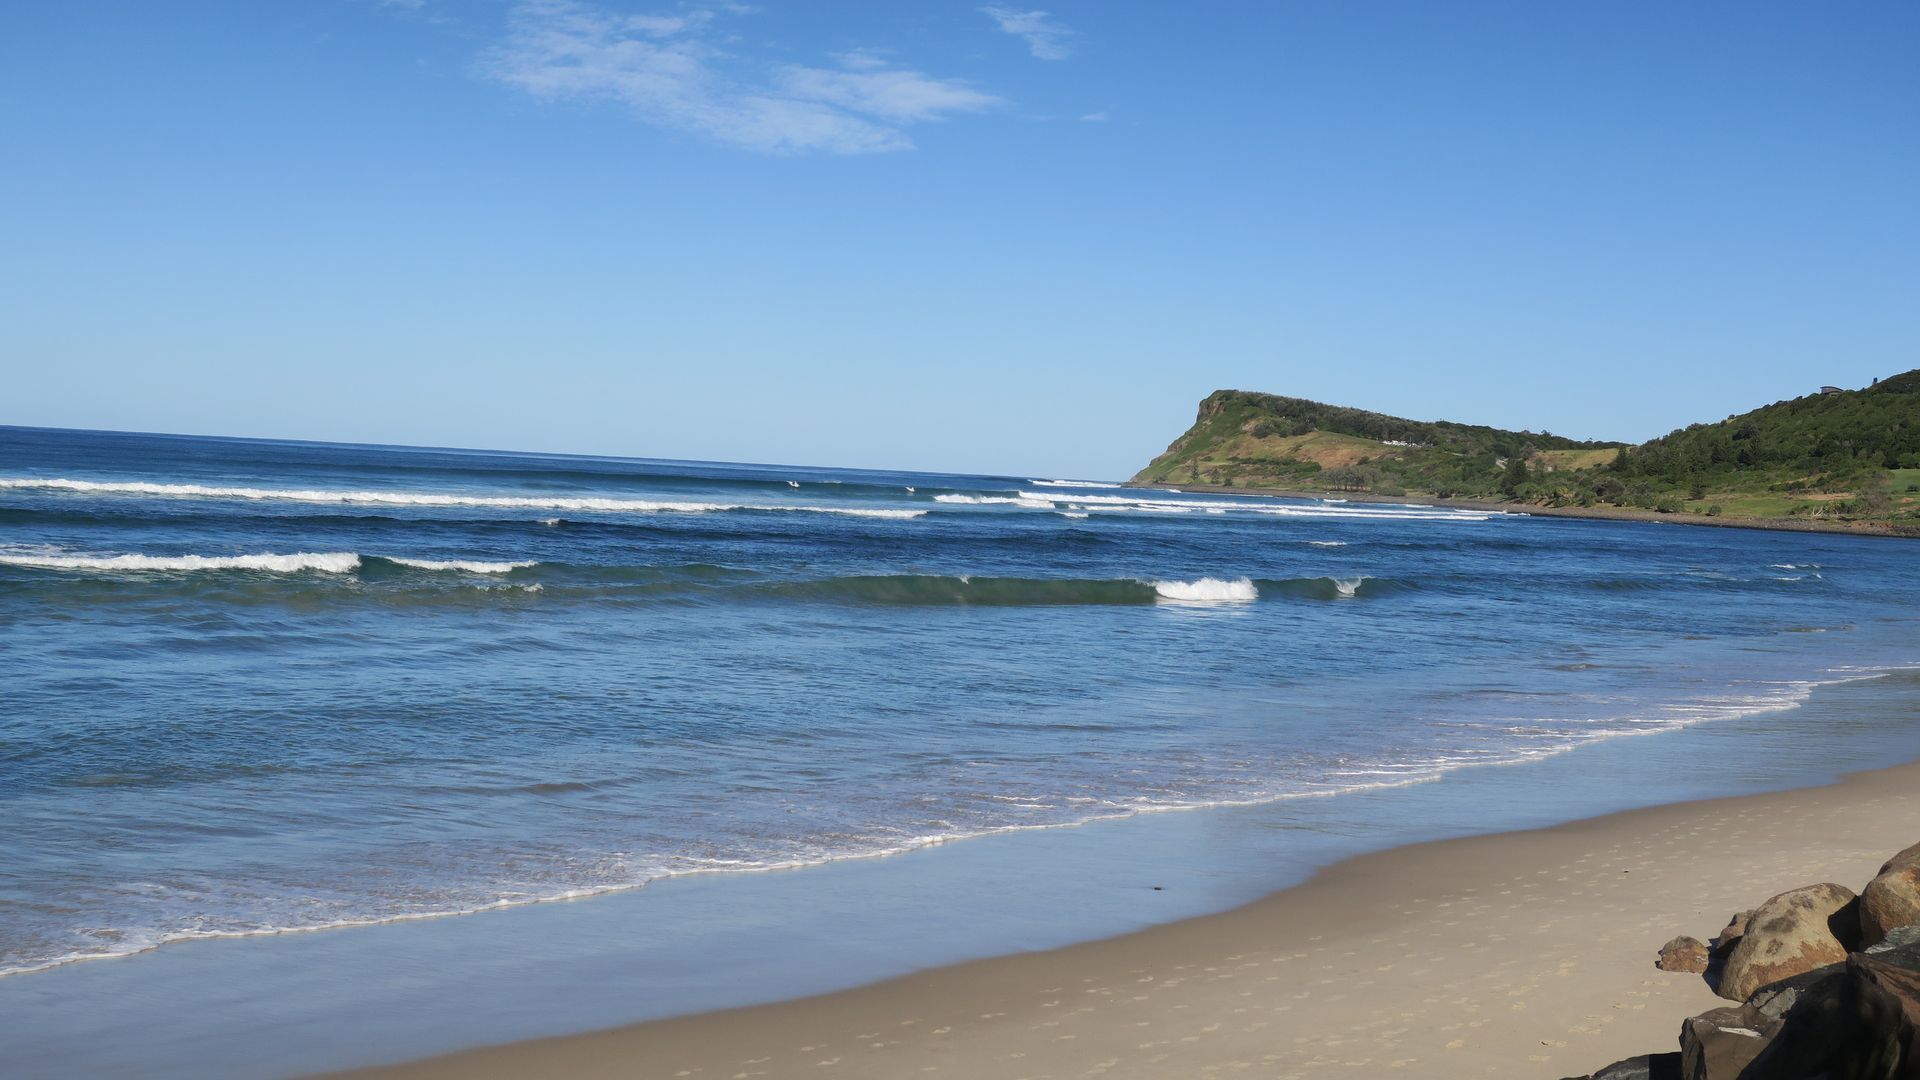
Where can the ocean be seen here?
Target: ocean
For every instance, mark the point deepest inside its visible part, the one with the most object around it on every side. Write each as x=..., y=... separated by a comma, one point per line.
x=256, y=687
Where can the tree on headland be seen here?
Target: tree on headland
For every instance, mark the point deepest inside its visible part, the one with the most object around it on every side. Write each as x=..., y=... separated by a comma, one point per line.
x=1515, y=475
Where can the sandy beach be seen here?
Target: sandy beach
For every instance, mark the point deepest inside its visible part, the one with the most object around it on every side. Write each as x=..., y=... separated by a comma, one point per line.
x=1524, y=954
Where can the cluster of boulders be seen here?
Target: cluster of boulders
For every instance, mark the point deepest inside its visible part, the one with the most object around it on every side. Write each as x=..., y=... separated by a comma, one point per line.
x=1828, y=986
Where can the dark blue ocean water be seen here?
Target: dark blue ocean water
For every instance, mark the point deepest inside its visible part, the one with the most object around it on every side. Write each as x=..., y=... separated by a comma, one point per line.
x=249, y=687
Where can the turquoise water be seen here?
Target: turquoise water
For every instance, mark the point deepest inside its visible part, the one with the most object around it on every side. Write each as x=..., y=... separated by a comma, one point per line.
x=262, y=687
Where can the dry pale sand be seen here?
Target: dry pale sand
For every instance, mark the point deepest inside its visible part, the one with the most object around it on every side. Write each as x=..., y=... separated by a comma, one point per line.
x=1517, y=955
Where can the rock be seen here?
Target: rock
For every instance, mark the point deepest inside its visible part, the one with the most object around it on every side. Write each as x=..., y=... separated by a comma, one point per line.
x=1861, y=1025
x=1887, y=1005
x=1724, y=942
x=1791, y=933
x=1719, y=1043
x=1893, y=898
x=1904, y=941
x=1776, y=999
x=1683, y=954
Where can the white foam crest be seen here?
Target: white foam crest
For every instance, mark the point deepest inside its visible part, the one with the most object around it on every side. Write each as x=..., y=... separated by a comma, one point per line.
x=1074, y=483
x=849, y=511
x=1348, y=586
x=331, y=562
x=424, y=498
x=1313, y=510
x=474, y=566
x=1031, y=503
x=1071, y=513
x=1328, y=543
x=1208, y=590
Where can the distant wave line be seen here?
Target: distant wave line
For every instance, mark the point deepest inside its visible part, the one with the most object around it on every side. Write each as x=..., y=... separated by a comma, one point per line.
x=421, y=498
x=718, y=583
x=1184, y=506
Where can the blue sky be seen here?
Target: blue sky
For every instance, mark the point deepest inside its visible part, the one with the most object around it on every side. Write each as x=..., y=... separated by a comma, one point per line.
x=951, y=236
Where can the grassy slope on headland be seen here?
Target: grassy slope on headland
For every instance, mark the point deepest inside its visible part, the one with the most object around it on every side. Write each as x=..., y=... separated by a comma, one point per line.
x=1846, y=461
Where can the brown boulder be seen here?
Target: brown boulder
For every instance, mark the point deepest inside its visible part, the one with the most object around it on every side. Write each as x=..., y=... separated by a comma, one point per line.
x=1791, y=933
x=1719, y=1043
x=1724, y=942
x=1683, y=954
x=1891, y=899
x=1776, y=999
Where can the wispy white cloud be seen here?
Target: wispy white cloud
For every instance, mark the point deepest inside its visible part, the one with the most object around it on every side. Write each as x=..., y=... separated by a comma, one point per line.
x=672, y=70
x=1045, y=36
x=1096, y=118
x=861, y=59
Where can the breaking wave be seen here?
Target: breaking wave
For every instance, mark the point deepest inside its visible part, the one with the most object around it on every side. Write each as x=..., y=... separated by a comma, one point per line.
x=472, y=566
x=592, y=504
x=994, y=500
x=397, y=578
x=1323, y=511
x=964, y=590
x=1207, y=590
x=331, y=562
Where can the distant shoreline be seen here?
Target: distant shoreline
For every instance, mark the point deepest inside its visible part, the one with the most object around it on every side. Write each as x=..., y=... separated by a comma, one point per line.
x=1895, y=530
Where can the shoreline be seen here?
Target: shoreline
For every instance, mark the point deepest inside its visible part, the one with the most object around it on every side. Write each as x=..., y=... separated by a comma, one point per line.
x=1523, y=954
x=1892, y=530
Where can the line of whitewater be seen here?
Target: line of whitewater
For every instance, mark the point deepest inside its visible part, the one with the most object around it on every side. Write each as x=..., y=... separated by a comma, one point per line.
x=909, y=589
x=1397, y=775
x=591, y=504
x=1277, y=509
x=329, y=562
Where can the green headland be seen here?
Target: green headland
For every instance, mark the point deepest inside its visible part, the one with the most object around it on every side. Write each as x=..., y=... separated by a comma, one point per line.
x=1835, y=458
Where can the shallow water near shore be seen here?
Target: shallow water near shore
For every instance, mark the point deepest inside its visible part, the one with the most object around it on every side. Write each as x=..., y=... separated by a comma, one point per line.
x=264, y=688
x=295, y=1004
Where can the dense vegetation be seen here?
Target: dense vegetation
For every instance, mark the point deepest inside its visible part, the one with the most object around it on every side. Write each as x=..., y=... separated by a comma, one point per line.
x=1856, y=444
x=1249, y=439
x=1851, y=454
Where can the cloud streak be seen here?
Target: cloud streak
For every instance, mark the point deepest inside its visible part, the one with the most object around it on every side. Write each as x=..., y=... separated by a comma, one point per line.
x=672, y=71
x=1045, y=36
